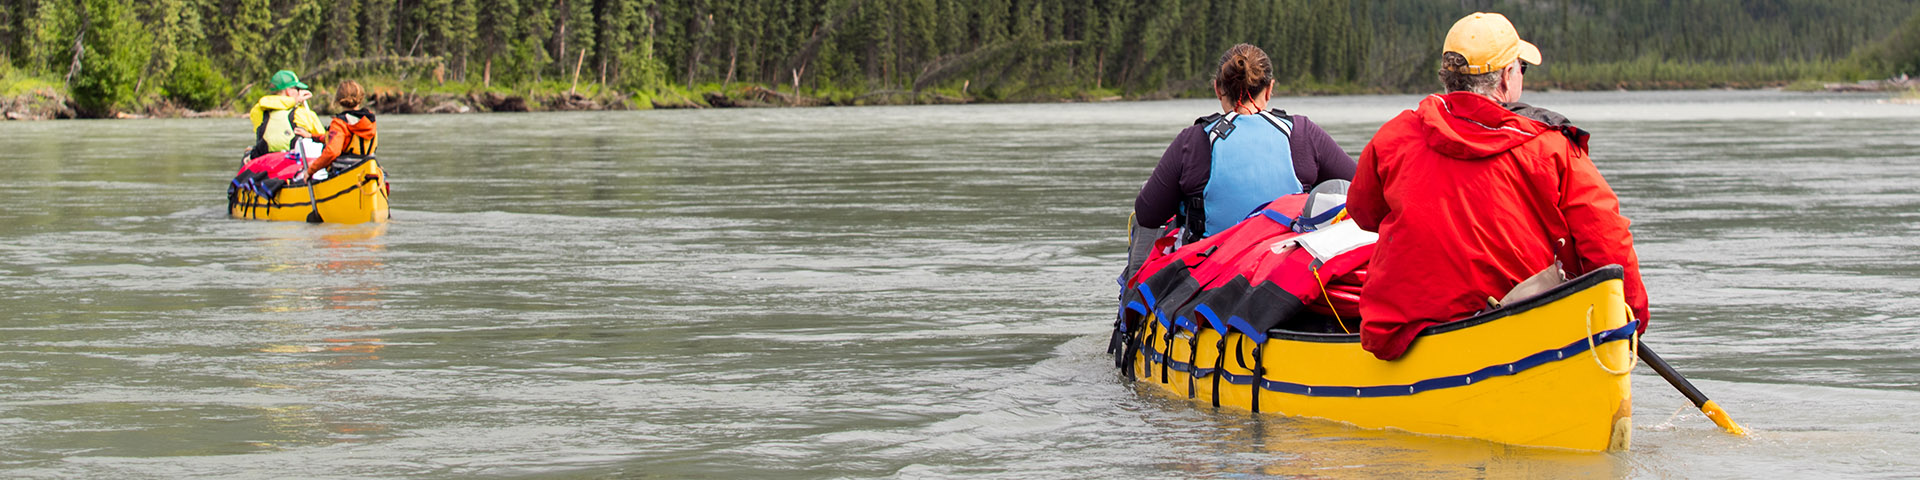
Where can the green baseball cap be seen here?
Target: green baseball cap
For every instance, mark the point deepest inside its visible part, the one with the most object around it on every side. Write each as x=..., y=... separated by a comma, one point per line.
x=285, y=79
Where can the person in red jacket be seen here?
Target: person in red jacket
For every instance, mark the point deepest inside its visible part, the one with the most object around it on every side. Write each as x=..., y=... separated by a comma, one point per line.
x=1473, y=192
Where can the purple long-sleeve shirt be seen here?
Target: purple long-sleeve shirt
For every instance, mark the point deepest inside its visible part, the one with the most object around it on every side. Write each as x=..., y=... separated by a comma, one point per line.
x=1187, y=164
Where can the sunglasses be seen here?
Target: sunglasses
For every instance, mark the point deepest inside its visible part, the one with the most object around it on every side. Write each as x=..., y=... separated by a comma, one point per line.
x=1524, y=66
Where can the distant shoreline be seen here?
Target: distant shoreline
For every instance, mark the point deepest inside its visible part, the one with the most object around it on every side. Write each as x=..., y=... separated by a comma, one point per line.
x=47, y=104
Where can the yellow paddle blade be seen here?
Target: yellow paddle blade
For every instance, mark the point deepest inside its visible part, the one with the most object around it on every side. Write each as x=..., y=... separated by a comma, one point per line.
x=1719, y=417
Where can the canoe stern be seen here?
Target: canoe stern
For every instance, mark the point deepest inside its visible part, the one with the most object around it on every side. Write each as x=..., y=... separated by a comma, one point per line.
x=1554, y=375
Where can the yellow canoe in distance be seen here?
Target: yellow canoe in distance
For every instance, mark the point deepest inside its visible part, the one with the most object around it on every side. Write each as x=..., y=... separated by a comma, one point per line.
x=357, y=194
x=1550, y=371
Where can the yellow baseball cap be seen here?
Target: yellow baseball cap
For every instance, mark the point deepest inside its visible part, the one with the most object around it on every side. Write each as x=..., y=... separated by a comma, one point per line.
x=1489, y=43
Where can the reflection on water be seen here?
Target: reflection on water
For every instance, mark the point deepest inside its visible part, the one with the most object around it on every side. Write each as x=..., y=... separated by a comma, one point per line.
x=336, y=252
x=1291, y=448
x=866, y=292
x=1288, y=447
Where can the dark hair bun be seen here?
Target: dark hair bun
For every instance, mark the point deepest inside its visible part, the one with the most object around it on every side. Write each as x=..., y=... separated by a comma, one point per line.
x=1245, y=72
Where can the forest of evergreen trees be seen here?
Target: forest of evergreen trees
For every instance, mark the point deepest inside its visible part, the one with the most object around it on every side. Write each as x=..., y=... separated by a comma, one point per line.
x=111, y=54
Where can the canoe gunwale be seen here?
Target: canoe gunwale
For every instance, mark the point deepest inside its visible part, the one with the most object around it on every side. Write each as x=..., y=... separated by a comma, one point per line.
x=1564, y=290
x=351, y=188
x=359, y=162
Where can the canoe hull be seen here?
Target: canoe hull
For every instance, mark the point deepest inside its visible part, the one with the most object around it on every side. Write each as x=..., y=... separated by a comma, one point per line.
x=355, y=195
x=1555, y=373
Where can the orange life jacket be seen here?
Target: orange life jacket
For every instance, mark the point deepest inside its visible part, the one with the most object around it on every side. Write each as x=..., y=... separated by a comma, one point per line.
x=352, y=134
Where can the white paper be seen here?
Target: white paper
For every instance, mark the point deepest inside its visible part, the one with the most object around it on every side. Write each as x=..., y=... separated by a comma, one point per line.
x=1329, y=242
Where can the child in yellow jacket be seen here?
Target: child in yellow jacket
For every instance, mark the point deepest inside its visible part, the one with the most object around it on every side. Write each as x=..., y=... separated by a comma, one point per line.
x=279, y=118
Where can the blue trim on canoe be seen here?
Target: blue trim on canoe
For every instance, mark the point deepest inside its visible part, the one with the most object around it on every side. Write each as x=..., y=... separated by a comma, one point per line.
x=1542, y=358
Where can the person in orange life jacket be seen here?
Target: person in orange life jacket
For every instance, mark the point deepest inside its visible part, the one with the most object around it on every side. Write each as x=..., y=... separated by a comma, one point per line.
x=1227, y=165
x=352, y=133
x=1473, y=192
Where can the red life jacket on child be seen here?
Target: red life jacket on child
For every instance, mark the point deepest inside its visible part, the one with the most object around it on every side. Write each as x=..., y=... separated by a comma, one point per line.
x=277, y=165
x=265, y=175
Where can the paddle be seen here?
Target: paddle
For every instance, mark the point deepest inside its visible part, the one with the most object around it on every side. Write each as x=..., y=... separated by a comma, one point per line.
x=313, y=216
x=1700, y=400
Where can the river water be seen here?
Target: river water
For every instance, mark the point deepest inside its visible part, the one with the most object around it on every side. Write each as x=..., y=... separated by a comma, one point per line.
x=916, y=292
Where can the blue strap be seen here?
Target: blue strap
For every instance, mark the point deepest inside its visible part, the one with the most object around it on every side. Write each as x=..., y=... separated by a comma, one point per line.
x=1147, y=307
x=1212, y=319
x=1186, y=323
x=1278, y=217
x=1246, y=328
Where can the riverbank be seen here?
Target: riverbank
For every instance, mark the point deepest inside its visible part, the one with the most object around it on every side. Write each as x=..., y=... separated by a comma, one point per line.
x=36, y=104
x=49, y=102
x=1911, y=97
x=1902, y=83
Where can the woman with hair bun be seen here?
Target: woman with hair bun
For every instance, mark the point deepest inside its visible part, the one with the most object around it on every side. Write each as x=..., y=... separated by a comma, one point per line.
x=353, y=135
x=1227, y=164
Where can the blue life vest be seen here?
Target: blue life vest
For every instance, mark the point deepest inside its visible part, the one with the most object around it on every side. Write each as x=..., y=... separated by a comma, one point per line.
x=1252, y=165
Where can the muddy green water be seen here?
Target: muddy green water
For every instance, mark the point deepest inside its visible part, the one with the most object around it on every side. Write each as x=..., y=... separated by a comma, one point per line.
x=914, y=292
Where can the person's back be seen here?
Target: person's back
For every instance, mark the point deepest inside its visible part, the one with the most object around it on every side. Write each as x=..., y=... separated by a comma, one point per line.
x=1226, y=165
x=279, y=118
x=352, y=133
x=272, y=119
x=1252, y=165
x=1471, y=198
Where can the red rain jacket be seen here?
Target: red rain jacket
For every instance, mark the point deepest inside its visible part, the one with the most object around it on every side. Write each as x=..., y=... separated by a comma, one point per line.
x=1470, y=199
x=1236, y=273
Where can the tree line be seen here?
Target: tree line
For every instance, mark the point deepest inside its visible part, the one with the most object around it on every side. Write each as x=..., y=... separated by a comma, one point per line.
x=200, y=53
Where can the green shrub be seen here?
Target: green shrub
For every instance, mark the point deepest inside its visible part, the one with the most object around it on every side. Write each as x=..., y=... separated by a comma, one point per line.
x=117, y=46
x=195, y=84
x=1896, y=54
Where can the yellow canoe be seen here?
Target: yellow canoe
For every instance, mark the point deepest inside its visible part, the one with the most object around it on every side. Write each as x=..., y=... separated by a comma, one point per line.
x=1550, y=371
x=357, y=194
